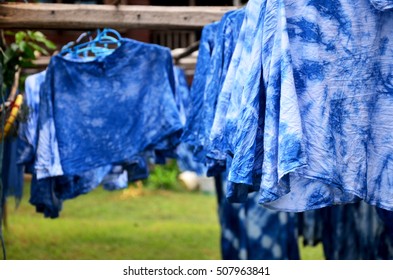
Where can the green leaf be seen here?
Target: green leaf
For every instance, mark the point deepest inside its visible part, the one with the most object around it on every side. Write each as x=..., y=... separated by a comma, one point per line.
x=8, y=55
x=26, y=64
x=30, y=34
x=19, y=37
x=37, y=35
x=22, y=46
x=46, y=42
x=50, y=45
x=28, y=53
x=37, y=48
x=14, y=47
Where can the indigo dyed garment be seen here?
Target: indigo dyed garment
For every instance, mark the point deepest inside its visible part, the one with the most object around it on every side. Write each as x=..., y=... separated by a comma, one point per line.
x=182, y=93
x=137, y=168
x=245, y=116
x=238, y=124
x=217, y=138
x=64, y=187
x=87, y=102
x=310, y=225
x=382, y=4
x=115, y=180
x=44, y=198
x=224, y=45
x=387, y=218
x=252, y=232
x=28, y=131
x=355, y=232
x=327, y=134
x=11, y=173
x=184, y=151
x=194, y=128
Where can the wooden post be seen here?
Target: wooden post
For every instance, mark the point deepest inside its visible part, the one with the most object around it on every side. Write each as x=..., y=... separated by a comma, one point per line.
x=77, y=17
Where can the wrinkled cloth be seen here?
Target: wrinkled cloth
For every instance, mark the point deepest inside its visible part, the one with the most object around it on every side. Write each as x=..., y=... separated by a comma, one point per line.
x=327, y=78
x=224, y=45
x=339, y=148
x=194, y=129
x=184, y=151
x=356, y=231
x=84, y=103
x=382, y=5
x=47, y=194
x=28, y=130
x=64, y=187
x=248, y=231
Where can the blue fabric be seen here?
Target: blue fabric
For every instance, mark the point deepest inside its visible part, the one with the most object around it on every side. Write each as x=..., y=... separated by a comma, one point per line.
x=248, y=231
x=64, y=187
x=326, y=134
x=310, y=225
x=194, y=133
x=252, y=232
x=12, y=173
x=387, y=218
x=132, y=88
x=217, y=145
x=336, y=147
x=243, y=110
x=355, y=232
x=43, y=197
x=225, y=42
x=117, y=178
x=184, y=151
x=238, y=124
x=112, y=177
x=28, y=131
x=382, y=4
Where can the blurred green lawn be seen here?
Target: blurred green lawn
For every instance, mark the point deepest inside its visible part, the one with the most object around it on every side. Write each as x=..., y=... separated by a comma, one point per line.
x=102, y=225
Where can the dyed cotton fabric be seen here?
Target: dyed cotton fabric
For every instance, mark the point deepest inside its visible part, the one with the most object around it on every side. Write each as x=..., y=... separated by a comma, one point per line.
x=107, y=110
x=326, y=71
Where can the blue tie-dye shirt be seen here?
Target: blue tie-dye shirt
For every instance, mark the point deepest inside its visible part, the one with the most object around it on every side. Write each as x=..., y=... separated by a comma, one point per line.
x=194, y=132
x=224, y=45
x=48, y=194
x=331, y=139
x=239, y=117
x=327, y=79
x=248, y=231
x=107, y=110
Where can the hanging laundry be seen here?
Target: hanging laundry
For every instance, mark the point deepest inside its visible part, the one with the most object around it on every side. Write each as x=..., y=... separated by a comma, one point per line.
x=248, y=231
x=252, y=232
x=184, y=151
x=12, y=173
x=305, y=131
x=115, y=107
x=350, y=232
x=193, y=133
x=139, y=103
x=48, y=194
x=343, y=102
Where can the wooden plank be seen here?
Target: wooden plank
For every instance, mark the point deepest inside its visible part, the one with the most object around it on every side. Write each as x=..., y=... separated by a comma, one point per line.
x=73, y=16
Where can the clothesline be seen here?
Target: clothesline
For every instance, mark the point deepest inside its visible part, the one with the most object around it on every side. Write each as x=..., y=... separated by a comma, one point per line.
x=72, y=16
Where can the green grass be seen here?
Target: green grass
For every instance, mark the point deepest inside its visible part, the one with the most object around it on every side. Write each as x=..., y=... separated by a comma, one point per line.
x=102, y=225
x=105, y=225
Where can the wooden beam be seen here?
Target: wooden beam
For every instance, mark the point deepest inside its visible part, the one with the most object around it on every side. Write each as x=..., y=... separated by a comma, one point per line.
x=73, y=16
